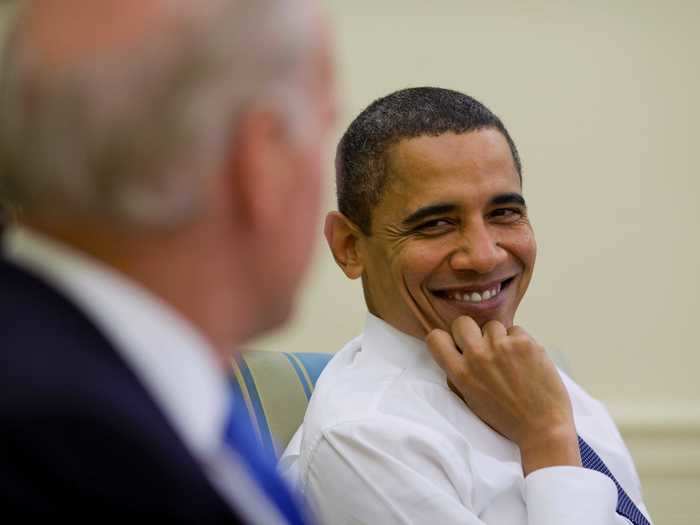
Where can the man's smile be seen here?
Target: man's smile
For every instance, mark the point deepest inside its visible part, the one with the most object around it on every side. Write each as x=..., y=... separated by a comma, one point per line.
x=474, y=298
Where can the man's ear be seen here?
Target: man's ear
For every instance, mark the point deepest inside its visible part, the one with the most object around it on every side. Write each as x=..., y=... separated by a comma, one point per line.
x=344, y=240
x=258, y=162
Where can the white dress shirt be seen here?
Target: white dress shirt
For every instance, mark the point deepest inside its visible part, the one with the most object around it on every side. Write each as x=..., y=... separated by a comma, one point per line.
x=170, y=357
x=385, y=441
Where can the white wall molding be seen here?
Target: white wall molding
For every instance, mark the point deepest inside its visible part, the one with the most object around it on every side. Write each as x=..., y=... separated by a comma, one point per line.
x=675, y=417
x=664, y=437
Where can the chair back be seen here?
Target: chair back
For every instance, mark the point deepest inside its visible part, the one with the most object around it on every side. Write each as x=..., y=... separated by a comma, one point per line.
x=276, y=387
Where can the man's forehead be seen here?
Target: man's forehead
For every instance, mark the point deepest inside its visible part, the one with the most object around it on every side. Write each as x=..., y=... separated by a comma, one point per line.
x=439, y=163
x=450, y=150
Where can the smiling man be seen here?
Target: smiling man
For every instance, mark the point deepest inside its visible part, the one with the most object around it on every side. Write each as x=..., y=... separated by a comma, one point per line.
x=442, y=189
x=443, y=411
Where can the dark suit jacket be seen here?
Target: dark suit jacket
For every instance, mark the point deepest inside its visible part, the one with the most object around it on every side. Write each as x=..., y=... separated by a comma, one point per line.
x=79, y=435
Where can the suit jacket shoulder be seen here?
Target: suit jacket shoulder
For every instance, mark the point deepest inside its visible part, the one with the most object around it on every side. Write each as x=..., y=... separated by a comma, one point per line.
x=79, y=430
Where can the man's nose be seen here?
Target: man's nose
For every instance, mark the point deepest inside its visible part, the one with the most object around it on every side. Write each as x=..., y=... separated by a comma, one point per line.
x=478, y=251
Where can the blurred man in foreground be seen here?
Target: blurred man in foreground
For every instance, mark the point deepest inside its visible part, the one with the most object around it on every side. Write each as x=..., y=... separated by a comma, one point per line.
x=156, y=151
x=476, y=426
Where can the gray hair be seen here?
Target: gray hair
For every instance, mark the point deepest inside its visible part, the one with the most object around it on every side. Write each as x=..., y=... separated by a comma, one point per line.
x=131, y=138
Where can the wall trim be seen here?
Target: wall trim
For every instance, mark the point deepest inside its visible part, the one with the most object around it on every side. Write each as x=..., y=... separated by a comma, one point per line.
x=667, y=417
x=664, y=437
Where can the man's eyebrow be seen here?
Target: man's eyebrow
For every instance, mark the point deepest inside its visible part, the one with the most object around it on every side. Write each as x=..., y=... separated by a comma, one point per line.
x=508, y=198
x=428, y=211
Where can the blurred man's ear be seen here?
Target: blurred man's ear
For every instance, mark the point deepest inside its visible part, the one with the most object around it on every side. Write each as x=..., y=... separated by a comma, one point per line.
x=260, y=163
x=344, y=241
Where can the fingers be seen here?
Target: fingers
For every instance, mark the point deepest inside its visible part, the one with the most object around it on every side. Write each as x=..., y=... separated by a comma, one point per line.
x=517, y=331
x=467, y=333
x=444, y=351
x=494, y=330
x=519, y=338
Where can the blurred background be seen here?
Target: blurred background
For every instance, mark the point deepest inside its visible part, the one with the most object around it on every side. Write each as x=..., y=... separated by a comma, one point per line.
x=601, y=99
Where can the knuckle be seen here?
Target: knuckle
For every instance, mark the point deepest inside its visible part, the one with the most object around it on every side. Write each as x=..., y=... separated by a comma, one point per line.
x=504, y=344
x=481, y=355
x=462, y=375
x=521, y=340
x=435, y=337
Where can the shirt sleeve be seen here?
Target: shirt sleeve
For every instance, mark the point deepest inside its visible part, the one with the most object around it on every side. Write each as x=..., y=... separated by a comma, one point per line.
x=557, y=495
x=357, y=474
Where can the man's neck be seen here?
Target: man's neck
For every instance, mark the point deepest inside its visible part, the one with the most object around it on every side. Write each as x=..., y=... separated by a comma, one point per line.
x=188, y=270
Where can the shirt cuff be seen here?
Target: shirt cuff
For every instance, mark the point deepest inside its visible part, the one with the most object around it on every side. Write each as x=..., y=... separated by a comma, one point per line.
x=571, y=495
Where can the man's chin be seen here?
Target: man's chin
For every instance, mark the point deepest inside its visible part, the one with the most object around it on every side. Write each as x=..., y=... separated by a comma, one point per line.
x=273, y=318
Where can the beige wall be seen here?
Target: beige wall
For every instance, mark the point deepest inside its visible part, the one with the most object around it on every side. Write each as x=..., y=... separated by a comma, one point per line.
x=600, y=98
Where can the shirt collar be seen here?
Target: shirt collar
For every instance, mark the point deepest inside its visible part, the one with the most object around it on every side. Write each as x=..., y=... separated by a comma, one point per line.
x=402, y=350
x=174, y=362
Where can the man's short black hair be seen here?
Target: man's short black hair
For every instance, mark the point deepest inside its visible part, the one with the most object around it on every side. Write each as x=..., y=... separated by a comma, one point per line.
x=360, y=163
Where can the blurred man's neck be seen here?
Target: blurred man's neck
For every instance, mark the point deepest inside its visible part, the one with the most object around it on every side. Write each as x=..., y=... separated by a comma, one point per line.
x=191, y=270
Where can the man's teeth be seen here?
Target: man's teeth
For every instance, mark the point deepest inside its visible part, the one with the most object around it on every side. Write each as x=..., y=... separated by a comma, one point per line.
x=474, y=297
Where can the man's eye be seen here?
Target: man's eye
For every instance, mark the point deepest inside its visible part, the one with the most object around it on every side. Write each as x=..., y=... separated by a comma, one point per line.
x=506, y=214
x=434, y=225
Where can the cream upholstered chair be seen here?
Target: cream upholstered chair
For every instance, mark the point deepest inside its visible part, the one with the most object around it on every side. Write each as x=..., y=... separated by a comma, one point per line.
x=276, y=387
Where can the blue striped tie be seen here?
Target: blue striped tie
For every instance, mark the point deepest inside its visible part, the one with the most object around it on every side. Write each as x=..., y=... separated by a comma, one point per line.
x=240, y=436
x=625, y=506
